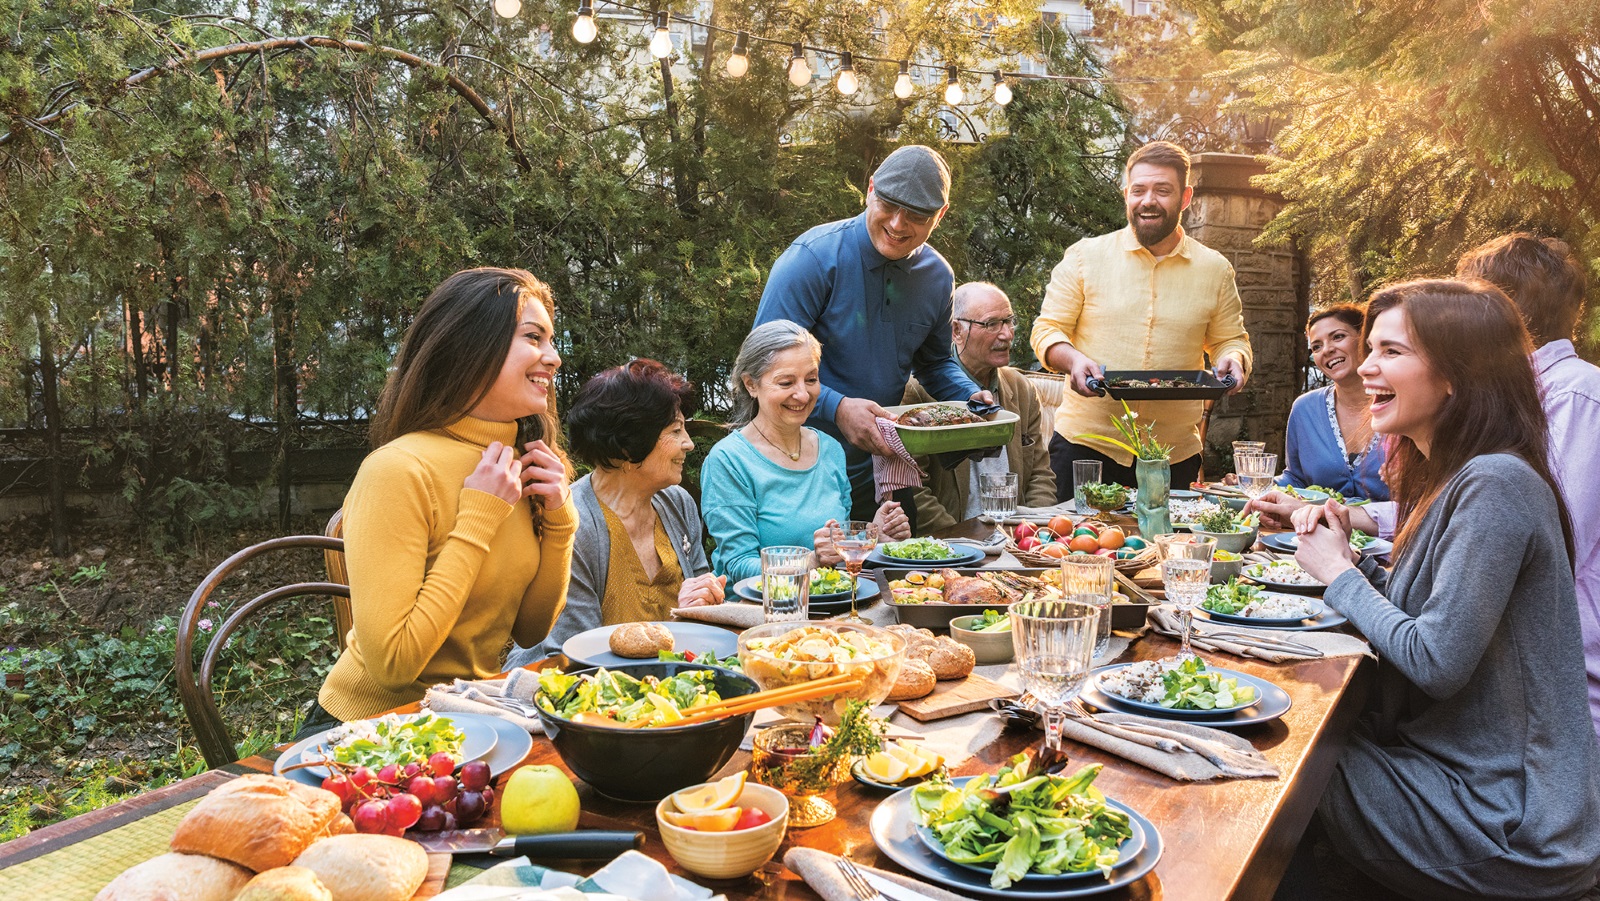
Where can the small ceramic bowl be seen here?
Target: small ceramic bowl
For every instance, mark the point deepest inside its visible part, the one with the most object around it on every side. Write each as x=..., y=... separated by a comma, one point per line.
x=729, y=855
x=988, y=647
x=1223, y=570
x=1237, y=542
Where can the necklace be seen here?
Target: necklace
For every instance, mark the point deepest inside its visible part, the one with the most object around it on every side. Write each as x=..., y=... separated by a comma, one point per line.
x=793, y=455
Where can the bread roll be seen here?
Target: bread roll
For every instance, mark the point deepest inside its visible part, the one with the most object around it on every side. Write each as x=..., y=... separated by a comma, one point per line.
x=258, y=821
x=362, y=867
x=916, y=680
x=177, y=877
x=640, y=640
x=948, y=658
x=285, y=884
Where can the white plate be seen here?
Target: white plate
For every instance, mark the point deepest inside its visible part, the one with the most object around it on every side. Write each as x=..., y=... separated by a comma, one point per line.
x=481, y=738
x=1289, y=542
x=593, y=648
x=1317, y=606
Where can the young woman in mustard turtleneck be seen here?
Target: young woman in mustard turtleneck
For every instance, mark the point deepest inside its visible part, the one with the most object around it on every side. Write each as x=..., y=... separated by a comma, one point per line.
x=456, y=543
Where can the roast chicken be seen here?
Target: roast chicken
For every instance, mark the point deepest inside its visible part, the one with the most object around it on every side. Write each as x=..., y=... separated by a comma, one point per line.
x=938, y=415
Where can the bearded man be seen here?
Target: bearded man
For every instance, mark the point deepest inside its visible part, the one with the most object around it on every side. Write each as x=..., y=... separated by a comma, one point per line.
x=1144, y=297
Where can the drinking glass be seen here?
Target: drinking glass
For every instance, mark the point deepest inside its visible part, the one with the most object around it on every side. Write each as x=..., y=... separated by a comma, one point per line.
x=854, y=540
x=1084, y=472
x=785, y=583
x=1240, y=448
x=1087, y=579
x=782, y=757
x=998, y=492
x=1054, y=641
x=1256, y=472
x=1186, y=574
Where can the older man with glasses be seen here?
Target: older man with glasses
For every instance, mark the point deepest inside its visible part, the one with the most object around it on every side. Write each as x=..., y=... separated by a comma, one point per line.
x=878, y=298
x=982, y=331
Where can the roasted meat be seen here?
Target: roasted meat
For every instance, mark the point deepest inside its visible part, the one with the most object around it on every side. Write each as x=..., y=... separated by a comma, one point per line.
x=959, y=589
x=937, y=415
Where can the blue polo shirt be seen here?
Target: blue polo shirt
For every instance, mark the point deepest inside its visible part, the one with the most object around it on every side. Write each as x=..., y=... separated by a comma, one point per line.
x=880, y=321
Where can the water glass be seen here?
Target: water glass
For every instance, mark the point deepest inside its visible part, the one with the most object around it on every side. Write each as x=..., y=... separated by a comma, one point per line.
x=1186, y=574
x=1084, y=472
x=1087, y=579
x=1054, y=641
x=998, y=493
x=1240, y=448
x=785, y=583
x=1256, y=472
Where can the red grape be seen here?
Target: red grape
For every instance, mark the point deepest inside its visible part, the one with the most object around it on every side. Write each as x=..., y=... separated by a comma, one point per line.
x=432, y=819
x=449, y=820
x=443, y=764
x=470, y=807
x=404, y=810
x=444, y=787
x=411, y=769
x=371, y=816
x=390, y=773
x=340, y=786
x=423, y=788
x=475, y=776
x=488, y=797
x=360, y=776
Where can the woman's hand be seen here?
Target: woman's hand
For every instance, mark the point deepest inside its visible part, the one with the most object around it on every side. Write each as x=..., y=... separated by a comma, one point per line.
x=543, y=476
x=822, y=542
x=1276, y=508
x=497, y=473
x=704, y=590
x=893, y=524
x=1324, y=537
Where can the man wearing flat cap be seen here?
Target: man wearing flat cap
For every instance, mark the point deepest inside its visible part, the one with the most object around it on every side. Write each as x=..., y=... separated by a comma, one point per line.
x=878, y=298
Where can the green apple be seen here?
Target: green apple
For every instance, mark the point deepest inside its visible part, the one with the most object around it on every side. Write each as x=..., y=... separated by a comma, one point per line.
x=539, y=799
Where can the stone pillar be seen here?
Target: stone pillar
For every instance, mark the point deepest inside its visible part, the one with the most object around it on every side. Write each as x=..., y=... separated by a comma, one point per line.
x=1227, y=215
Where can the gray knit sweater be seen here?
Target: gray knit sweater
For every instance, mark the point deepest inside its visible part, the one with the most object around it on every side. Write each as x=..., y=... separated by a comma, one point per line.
x=591, y=562
x=1476, y=770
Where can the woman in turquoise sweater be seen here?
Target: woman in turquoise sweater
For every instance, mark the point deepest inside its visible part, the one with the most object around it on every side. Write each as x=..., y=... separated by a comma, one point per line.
x=774, y=481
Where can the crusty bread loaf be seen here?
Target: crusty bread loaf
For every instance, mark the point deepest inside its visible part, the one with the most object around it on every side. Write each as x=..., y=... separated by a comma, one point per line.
x=948, y=658
x=258, y=821
x=640, y=640
x=361, y=867
x=285, y=884
x=916, y=680
x=177, y=877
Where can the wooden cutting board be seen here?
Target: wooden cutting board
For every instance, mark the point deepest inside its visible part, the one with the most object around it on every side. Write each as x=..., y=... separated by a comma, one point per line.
x=956, y=697
x=438, y=872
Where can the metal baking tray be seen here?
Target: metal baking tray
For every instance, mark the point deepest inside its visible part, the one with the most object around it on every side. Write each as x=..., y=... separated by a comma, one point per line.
x=923, y=440
x=1129, y=616
x=1206, y=384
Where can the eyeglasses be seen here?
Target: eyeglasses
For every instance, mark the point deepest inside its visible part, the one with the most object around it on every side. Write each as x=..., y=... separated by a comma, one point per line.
x=991, y=325
x=914, y=218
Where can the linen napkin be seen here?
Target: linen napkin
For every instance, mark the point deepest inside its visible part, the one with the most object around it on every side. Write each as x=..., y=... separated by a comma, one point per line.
x=820, y=870
x=510, y=698
x=631, y=876
x=1183, y=751
x=728, y=613
x=1271, y=645
x=899, y=471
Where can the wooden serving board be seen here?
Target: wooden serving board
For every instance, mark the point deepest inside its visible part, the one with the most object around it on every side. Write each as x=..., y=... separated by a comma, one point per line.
x=438, y=872
x=956, y=697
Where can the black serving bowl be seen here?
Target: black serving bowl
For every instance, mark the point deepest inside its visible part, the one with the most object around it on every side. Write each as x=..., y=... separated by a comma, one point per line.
x=646, y=765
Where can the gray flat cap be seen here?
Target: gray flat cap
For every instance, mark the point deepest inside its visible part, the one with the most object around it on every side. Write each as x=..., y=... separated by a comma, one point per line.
x=914, y=177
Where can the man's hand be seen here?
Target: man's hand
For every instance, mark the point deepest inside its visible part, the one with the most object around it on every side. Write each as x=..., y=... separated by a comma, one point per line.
x=856, y=418
x=984, y=397
x=892, y=522
x=704, y=590
x=1232, y=365
x=1276, y=508
x=1078, y=367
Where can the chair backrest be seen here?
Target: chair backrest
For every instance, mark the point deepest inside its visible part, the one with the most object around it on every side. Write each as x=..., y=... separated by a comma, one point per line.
x=333, y=561
x=1048, y=385
x=194, y=687
x=705, y=432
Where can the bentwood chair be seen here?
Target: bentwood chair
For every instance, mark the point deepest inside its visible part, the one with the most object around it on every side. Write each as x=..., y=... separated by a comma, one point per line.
x=333, y=560
x=195, y=686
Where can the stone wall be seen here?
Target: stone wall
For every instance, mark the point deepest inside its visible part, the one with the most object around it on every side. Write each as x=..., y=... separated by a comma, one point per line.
x=1226, y=215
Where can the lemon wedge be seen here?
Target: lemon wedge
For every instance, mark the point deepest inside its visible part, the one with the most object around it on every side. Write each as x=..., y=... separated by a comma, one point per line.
x=715, y=796
x=705, y=820
x=885, y=768
x=935, y=760
x=915, y=765
x=666, y=711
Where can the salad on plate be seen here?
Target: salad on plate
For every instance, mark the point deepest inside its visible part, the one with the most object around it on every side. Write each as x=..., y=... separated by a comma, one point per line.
x=918, y=549
x=1281, y=572
x=1238, y=598
x=1177, y=685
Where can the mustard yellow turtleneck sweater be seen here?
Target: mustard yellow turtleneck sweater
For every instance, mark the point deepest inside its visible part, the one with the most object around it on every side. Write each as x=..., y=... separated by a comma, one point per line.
x=440, y=575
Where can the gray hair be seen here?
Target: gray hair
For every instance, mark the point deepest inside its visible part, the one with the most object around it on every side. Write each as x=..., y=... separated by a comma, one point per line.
x=756, y=354
x=966, y=293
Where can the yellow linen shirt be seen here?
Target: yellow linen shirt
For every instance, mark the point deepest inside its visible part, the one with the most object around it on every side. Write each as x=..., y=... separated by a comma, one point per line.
x=1110, y=298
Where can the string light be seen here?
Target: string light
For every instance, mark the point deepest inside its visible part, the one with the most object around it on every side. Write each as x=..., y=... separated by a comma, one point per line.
x=1002, y=91
x=902, y=85
x=953, y=94
x=799, y=69
x=739, y=62
x=847, y=82
x=661, y=44
x=507, y=9
x=584, y=31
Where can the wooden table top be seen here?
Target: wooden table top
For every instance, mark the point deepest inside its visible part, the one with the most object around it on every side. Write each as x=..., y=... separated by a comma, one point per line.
x=1228, y=839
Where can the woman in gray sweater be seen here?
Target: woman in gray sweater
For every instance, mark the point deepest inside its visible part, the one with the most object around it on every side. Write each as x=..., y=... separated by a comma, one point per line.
x=1475, y=772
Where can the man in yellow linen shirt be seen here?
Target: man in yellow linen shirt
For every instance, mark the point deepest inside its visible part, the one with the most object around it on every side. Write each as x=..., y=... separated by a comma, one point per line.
x=1144, y=297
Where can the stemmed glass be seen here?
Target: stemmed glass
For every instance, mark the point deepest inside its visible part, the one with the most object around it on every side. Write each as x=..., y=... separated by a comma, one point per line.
x=782, y=757
x=998, y=493
x=854, y=540
x=1054, y=641
x=1256, y=472
x=1186, y=574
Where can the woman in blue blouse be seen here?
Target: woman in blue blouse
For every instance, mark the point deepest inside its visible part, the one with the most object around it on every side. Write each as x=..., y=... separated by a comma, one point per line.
x=1330, y=440
x=774, y=481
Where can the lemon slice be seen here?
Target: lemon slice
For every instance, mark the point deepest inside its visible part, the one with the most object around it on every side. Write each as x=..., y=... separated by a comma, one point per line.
x=667, y=711
x=933, y=759
x=884, y=768
x=718, y=795
x=915, y=765
x=705, y=820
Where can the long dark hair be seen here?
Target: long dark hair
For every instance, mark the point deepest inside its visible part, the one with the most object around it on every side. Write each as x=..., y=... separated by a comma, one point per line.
x=1472, y=337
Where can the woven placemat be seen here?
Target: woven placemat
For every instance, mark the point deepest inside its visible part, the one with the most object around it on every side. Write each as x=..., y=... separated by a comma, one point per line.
x=76, y=873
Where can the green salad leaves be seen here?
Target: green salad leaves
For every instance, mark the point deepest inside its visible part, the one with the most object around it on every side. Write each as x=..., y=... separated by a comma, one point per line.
x=992, y=621
x=657, y=702
x=1021, y=822
x=918, y=549
x=390, y=739
x=1224, y=521
x=1360, y=539
x=1190, y=686
x=1232, y=597
x=705, y=658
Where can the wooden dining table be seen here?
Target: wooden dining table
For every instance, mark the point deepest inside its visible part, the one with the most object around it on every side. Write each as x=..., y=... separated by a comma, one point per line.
x=1223, y=839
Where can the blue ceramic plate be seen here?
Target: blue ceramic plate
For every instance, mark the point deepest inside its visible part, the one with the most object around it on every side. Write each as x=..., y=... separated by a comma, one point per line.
x=593, y=648
x=1271, y=703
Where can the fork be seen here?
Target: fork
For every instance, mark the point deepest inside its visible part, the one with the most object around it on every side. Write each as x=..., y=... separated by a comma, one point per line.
x=858, y=881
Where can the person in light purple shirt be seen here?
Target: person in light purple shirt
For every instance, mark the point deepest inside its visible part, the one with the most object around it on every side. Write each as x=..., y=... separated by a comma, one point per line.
x=1546, y=282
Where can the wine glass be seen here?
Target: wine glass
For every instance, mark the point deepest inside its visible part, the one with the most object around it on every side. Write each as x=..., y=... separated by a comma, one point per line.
x=854, y=540
x=1256, y=472
x=998, y=493
x=1055, y=644
x=1186, y=574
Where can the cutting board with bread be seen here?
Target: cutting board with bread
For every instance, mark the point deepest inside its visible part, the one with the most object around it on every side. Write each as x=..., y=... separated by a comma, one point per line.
x=954, y=698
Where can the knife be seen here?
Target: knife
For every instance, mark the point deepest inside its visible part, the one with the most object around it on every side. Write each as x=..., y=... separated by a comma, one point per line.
x=594, y=844
x=892, y=890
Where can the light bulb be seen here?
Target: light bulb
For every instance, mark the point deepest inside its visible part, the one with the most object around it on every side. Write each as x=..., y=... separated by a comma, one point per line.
x=799, y=70
x=507, y=9
x=953, y=94
x=584, y=31
x=1002, y=91
x=902, y=85
x=661, y=44
x=847, y=82
x=739, y=62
